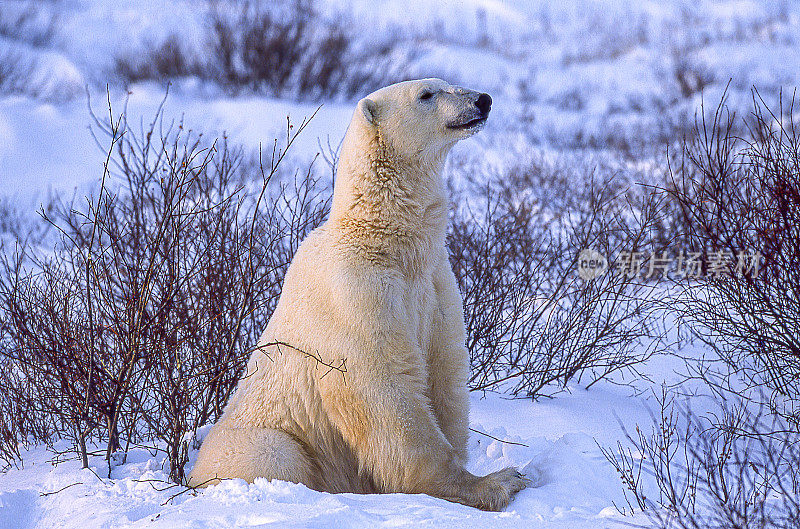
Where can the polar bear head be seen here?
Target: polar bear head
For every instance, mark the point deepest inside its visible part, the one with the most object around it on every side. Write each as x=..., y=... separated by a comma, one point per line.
x=420, y=120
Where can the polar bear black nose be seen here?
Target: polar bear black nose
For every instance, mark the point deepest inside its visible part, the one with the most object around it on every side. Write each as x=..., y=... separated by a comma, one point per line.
x=484, y=103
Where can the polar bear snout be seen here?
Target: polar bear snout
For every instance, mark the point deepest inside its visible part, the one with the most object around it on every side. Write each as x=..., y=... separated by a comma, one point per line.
x=474, y=110
x=484, y=104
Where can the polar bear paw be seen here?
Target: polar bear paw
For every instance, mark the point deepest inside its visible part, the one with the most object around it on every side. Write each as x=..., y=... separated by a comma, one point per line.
x=495, y=491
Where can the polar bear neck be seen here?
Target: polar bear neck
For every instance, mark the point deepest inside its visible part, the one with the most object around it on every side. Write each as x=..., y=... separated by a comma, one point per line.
x=392, y=211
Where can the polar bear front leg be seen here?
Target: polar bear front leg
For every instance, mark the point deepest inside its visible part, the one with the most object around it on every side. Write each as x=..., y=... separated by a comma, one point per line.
x=448, y=362
x=383, y=413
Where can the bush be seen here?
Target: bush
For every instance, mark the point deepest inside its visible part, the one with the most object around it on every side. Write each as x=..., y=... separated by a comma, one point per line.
x=30, y=24
x=291, y=52
x=136, y=329
x=739, y=198
x=16, y=73
x=533, y=325
x=24, y=29
x=162, y=61
x=21, y=227
x=737, y=468
x=735, y=195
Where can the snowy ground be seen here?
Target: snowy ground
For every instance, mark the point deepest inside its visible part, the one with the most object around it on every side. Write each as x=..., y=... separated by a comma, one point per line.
x=572, y=484
x=571, y=76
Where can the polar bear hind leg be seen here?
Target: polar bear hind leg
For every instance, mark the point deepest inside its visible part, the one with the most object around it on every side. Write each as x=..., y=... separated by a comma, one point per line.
x=250, y=453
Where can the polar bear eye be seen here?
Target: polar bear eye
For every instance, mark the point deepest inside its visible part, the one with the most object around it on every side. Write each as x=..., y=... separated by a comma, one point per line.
x=424, y=96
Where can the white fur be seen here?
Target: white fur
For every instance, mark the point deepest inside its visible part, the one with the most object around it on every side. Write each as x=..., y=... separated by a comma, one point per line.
x=372, y=287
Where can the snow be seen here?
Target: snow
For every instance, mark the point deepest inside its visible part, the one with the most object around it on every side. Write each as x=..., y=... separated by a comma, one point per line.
x=572, y=485
x=566, y=73
x=51, y=147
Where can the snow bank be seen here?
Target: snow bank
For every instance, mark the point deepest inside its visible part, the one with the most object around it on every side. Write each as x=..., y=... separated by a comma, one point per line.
x=572, y=486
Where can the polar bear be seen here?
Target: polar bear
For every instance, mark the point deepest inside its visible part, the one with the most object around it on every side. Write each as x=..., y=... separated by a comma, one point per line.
x=371, y=292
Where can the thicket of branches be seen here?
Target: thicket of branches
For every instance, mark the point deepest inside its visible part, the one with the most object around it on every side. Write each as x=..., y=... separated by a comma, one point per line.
x=533, y=324
x=291, y=51
x=739, y=196
x=136, y=327
x=16, y=73
x=735, y=469
x=735, y=466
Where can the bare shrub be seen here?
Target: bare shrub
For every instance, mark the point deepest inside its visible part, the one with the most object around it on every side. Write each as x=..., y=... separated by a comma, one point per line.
x=19, y=225
x=690, y=76
x=599, y=43
x=22, y=421
x=25, y=73
x=34, y=25
x=16, y=73
x=138, y=326
x=291, y=51
x=533, y=324
x=296, y=52
x=634, y=136
x=739, y=198
x=737, y=468
x=162, y=61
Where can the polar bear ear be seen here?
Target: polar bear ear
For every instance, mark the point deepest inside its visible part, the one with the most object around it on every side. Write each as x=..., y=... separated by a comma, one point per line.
x=369, y=108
